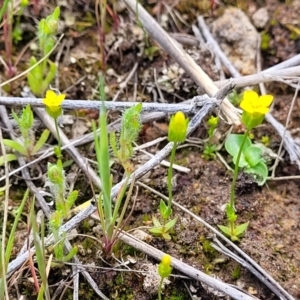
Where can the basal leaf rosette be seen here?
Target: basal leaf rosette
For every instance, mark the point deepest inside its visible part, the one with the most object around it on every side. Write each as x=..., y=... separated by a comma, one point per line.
x=254, y=108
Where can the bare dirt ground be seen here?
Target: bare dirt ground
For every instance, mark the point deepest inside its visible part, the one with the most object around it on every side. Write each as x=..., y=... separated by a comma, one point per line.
x=272, y=238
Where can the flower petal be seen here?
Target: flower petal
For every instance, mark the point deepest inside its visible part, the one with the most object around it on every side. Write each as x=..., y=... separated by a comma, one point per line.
x=262, y=110
x=250, y=96
x=266, y=100
x=246, y=106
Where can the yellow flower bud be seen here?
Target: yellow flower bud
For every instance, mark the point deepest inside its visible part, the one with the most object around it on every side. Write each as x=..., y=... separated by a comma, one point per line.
x=178, y=127
x=164, y=268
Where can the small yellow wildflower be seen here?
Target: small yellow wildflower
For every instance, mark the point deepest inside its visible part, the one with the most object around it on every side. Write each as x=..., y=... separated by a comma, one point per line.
x=252, y=103
x=254, y=108
x=178, y=127
x=53, y=103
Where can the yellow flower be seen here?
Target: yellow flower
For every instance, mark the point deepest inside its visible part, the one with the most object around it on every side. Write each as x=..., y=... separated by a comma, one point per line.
x=252, y=103
x=178, y=127
x=254, y=108
x=53, y=103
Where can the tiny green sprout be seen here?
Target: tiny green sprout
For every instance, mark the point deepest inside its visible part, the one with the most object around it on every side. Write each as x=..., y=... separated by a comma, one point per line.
x=25, y=120
x=246, y=156
x=177, y=134
x=164, y=271
x=209, y=148
x=162, y=229
x=130, y=127
x=26, y=145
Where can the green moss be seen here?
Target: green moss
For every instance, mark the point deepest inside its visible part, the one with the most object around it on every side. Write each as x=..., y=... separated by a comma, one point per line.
x=236, y=272
x=265, y=40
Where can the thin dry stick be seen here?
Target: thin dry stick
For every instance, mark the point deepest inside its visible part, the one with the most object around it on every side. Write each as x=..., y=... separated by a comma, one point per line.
x=216, y=48
x=188, y=106
x=181, y=57
x=287, y=76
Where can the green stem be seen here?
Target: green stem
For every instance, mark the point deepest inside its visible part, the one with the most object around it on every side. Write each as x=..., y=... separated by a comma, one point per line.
x=58, y=137
x=236, y=170
x=170, y=174
x=159, y=288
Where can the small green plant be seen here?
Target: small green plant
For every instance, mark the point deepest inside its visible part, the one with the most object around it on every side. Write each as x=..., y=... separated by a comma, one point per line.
x=245, y=155
x=210, y=148
x=164, y=271
x=26, y=145
x=42, y=74
x=251, y=159
x=110, y=215
x=7, y=246
x=57, y=183
x=177, y=134
x=130, y=128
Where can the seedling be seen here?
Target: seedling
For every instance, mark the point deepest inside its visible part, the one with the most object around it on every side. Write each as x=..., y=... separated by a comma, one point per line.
x=210, y=148
x=26, y=144
x=245, y=155
x=177, y=134
x=164, y=271
x=41, y=76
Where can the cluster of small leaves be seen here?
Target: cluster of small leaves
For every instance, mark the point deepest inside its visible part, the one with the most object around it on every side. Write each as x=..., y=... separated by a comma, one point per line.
x=42, y=74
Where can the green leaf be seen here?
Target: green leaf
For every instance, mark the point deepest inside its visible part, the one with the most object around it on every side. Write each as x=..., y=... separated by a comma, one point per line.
x=164, y=210
x=170, y=224
x=242, y=163
x=260, y=172
x=233, y=144
x=41, y=142
x=15, y=146
x=239, y=230
x=71, y=254
x=157, y=230
x=166, y=236
x=225, y=230
x=155, y=221
x=253, y=155
x=9, y=157
x=71, y=199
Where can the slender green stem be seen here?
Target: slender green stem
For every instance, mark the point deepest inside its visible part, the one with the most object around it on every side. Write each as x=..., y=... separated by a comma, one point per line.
x=3, y=9
x=58, y=137
x=236, y=170
x=159, y=288
x=170, y=174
